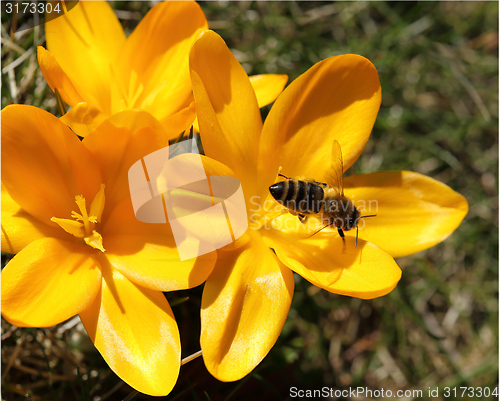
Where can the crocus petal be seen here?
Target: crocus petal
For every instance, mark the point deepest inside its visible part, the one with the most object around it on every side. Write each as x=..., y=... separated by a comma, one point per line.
x=179, y=122
x=19, y=228
x=85, y=41
x=208, y=213
x=413, y=211
x=365, y=271
x=157, y=51
x=118, y=143
x=190, y=167
x=48, y=282
x=228, y=113
x=56, y=77
x=336, y=99
x=267, y=87
x=83, y=118
x=31, y=138
x=135, y=331
x=244, y=307
x=146, y=253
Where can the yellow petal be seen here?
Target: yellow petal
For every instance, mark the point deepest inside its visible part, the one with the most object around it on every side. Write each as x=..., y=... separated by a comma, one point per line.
x=365, y=271
x=145, y=253
x=267, y=87
x=205, y=213
x=56, y=78
x=228, y=113
x=244, y=307
x=118, y=143
x=85, y=42
x=414, y=212
x=44, y=164
x=135, y=331
x=158, y=51
x=336, y=99
x=179, y=122
x=19, y=228
x=83, y=118
x=48, y=282
x=211, y=167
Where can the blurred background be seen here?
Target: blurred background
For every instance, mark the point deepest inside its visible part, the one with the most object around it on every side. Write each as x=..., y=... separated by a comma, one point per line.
x=438, y=66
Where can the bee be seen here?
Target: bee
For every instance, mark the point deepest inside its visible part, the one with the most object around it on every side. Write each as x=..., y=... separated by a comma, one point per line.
x=326, y=200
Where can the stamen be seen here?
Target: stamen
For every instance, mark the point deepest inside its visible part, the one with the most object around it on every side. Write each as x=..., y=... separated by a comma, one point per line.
x=124, y=97
x=83, y=225
x=95, y=241
x=97, y=205
x=118, y=92
x=70, y=226
x=80, y=201
x=134, y=91
x=77, y=216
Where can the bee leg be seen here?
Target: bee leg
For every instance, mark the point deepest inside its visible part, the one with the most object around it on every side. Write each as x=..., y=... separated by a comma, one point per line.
x=284, y=176
x=341, y=233
x=302, y=218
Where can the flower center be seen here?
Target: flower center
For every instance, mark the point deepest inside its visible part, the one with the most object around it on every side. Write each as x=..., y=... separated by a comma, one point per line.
x=123, y=96
x=83, y=225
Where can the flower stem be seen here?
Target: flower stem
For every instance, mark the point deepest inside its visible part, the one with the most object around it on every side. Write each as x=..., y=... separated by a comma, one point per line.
x=191, y=357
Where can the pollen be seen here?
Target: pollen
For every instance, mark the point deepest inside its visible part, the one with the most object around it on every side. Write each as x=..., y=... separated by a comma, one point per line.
x=84, y=223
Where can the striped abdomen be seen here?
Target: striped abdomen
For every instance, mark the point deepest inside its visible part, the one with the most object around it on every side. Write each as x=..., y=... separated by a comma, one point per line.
x=300, y=196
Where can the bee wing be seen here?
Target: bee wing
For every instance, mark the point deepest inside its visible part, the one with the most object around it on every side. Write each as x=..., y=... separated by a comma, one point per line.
x=333, y=176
